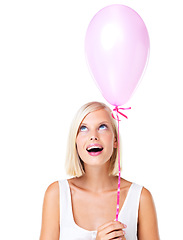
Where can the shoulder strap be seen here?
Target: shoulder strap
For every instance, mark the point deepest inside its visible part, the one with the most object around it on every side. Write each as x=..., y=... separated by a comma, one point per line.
x=129, y=215
x=64, y=199
x=135, y=198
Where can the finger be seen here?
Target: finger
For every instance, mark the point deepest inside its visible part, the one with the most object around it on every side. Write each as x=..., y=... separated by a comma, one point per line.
x=111, y=226
x=116, y=225
x=104, y=226
x=122, y=238
x=122, y=224
x=116, y=234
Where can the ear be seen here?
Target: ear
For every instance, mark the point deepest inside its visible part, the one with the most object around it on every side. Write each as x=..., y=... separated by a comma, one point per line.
x=115, y=143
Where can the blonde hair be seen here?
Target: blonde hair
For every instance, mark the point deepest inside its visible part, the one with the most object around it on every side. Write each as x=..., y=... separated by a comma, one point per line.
x=73, y=164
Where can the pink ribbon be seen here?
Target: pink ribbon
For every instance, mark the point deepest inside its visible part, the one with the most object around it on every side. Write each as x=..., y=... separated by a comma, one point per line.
x=117, y=111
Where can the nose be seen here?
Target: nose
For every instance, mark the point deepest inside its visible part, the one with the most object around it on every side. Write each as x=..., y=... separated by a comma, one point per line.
x=94, y=138
x=93, y=135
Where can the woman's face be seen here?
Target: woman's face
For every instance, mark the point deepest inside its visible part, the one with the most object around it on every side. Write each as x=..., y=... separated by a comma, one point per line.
x=95, y=140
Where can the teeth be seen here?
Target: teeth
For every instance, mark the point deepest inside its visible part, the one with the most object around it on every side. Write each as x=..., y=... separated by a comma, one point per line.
x=93, y=147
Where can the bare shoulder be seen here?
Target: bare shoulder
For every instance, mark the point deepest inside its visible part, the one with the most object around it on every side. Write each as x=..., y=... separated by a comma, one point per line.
x=51, y=198
x=146, y=204
x=50, y=213
x=146, y=197
x=147, y=219
x=53, y=190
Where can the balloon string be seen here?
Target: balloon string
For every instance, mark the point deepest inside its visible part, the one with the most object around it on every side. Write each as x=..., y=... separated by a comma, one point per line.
x=119, y=177
x=116, y=109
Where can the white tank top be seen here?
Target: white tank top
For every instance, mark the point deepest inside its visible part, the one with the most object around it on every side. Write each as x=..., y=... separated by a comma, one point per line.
x=128, y=215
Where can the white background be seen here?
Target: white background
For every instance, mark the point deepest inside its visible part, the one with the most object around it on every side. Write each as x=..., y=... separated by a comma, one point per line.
x=44, y=79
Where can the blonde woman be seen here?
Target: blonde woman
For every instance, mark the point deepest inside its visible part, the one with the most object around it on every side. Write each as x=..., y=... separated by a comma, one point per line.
x=84, y=206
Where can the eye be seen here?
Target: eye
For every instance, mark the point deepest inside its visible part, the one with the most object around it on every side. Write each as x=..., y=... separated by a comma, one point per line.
x=103, y=126
x=83, y=128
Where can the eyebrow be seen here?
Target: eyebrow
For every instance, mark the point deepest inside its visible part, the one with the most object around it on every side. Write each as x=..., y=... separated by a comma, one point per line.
x=106, y=122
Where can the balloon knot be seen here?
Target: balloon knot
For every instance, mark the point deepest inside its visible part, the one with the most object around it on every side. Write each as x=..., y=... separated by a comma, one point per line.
x=117, y=111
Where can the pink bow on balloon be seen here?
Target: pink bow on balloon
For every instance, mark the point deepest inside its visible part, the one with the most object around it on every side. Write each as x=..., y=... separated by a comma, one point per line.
x=117, y=110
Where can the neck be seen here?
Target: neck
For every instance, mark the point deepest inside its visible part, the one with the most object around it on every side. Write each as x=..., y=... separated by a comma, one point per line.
x=97, y=179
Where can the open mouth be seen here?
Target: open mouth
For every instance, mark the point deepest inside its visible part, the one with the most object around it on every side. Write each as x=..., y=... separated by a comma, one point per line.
x=97, y=149
x=94, y=149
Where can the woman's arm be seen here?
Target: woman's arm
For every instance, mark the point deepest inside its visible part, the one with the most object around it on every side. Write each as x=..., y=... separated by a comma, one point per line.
x=147, y=220
x=50, y=217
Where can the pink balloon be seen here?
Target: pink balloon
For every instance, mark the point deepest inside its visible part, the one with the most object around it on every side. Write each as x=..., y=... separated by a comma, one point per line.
x=117, y=49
